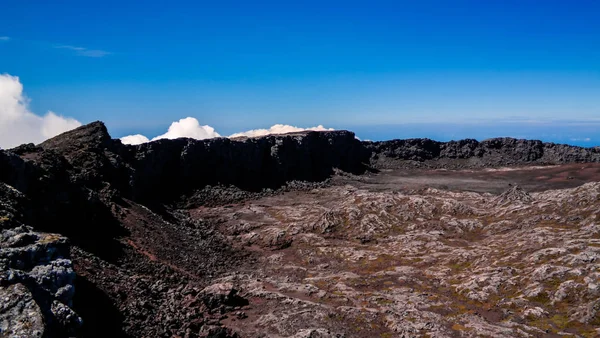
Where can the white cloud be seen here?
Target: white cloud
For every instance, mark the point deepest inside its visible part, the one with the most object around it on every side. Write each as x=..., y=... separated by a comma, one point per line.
x=134, y=139
x=53, y=124
x=190, y=127
x=187, y=127
x=277, y=129
x=18, y=125
x=93, y=53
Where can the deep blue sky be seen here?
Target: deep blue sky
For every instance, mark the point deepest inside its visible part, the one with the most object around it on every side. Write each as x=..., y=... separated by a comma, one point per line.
x=440, y=69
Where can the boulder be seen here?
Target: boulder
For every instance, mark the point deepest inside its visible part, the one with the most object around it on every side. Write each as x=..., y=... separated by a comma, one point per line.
x=36, y=284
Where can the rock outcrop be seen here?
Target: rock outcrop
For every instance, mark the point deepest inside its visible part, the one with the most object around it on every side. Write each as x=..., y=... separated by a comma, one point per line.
x=164, y=170
x=165, y=241
x=36, y=275
x=167, y=169
x=36, y=285
x=515, y=194
x=471, y=153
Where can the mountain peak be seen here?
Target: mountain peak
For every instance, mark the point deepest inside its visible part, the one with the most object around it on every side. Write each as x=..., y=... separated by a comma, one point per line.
x=91, y=135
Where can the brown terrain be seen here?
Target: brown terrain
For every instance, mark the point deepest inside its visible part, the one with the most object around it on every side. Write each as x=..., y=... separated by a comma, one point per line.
x=393, y=255
x=300, y=235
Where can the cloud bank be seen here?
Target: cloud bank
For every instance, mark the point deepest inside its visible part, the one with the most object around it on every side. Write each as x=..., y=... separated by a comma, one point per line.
x=277, y=129
x=190, y=127
x=18, y=124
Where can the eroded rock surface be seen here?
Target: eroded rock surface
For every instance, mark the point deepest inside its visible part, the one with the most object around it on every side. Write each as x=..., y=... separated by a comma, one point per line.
x=360, y=263
x=311, y=234
x=36, y=285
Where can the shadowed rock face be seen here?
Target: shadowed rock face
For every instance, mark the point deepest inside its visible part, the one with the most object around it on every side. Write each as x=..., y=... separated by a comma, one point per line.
x=87, y=186
x=166, y=169
x=36, y=276
x=471, y=153
x=173, y=167
x=163, y=170
x=293, y=235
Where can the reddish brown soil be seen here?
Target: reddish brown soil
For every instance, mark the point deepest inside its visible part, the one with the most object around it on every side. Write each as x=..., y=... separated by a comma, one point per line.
x=531, y=178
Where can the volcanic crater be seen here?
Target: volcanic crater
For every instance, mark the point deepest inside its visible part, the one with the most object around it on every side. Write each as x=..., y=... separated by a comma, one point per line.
x=311, y=234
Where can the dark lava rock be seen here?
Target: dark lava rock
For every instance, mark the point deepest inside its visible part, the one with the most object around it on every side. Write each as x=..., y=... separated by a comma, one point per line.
x=36, y=285
x=166, y=169
x=474, y=154
x=222, y=294
x=117, y=205
x=163, y=171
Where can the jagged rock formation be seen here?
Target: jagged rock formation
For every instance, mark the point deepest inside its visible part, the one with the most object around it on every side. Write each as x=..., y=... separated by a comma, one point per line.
x=36, y=277
x=290, y=235
x=37, y=280
x=471, y=153
x=166, y=169
x=515, y=194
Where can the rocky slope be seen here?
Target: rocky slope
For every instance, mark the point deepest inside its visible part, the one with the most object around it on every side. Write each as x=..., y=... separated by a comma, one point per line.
x=347, y=261
x=296, y=235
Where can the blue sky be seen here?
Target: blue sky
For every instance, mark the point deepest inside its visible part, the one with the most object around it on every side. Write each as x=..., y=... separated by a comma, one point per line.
x=439, y=69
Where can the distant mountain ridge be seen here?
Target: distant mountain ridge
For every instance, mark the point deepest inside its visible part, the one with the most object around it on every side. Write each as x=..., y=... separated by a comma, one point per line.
x=166, y=169
x=470, y=153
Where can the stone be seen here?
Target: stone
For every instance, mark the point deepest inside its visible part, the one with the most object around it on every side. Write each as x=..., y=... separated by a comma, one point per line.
x=20, y=316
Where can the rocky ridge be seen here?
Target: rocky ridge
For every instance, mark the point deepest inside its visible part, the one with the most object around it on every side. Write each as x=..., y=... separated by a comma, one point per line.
x=471, y=153
x=165, y=238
